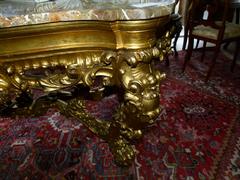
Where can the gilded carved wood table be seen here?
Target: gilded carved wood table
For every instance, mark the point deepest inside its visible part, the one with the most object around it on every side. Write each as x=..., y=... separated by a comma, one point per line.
x=78, y=49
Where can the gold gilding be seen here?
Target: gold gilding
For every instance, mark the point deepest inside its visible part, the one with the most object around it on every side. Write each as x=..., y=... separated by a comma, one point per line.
x=120, y=53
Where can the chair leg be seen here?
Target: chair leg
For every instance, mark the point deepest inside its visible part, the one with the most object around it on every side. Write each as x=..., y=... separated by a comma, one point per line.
x=235, y=55
x=217, y=48
x=204, y=48
x=197, y=44
x=185, y=38
x=178, y=29
x=189, y=53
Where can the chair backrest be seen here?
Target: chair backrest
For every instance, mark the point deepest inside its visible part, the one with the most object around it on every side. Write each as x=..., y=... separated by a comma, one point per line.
x=211, y=13
x=207, y=12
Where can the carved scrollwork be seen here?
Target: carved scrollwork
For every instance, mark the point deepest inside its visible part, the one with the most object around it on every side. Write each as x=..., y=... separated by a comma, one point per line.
x=98, y=58
x=134, y=57
x=164, y=45
x=122, y=150
x=160, y=50
x=130, y=70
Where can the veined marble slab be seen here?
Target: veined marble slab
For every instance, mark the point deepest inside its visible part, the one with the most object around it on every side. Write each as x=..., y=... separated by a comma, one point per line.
x=26, y=12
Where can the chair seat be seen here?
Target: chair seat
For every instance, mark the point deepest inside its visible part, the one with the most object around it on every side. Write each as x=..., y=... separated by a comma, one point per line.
x=231, y=31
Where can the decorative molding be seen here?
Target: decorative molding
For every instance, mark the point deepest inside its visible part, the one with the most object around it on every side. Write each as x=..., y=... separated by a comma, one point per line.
x=64, y=59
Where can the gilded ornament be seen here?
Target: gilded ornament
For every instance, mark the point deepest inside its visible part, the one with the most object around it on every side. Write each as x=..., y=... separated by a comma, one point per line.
x=67, y=59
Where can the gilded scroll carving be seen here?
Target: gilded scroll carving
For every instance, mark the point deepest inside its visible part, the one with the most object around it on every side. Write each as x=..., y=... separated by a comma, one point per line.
x=130, y=70
x=88, y=65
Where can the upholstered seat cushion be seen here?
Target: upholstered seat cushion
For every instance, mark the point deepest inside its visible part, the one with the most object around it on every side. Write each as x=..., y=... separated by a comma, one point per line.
x=231, y=31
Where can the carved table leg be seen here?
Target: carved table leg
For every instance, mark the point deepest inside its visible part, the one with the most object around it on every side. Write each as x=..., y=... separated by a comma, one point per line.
x=140, y=106
x=130, y=71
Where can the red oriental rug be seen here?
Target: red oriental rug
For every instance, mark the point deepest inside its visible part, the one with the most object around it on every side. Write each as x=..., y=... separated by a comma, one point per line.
x=197, y=135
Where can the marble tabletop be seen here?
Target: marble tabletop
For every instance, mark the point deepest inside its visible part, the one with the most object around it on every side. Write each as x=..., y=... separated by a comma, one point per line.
x=27, y=12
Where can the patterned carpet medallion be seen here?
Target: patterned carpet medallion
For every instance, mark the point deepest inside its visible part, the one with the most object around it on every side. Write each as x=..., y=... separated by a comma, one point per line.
x=197, y=135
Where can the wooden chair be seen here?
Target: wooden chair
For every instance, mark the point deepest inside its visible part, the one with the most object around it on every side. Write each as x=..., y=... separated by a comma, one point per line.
x=207, y=22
